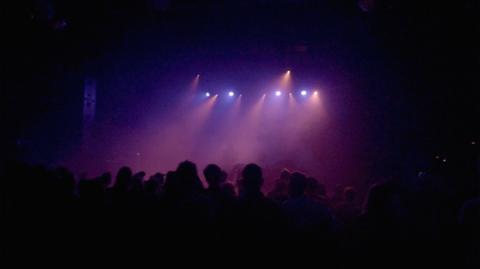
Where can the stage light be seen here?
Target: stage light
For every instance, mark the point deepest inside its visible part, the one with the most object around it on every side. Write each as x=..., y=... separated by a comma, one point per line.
x=303, y=92
x=286, y=81
x=231, y=93
x=278, y=93
x=207, y=94
x=315, y=92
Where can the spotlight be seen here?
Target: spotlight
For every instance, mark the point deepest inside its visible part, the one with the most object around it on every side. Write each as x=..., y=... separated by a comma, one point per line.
x=303, y=92
x=231, y=93
x=315, y=92
x=278, y=93
x=207, y=94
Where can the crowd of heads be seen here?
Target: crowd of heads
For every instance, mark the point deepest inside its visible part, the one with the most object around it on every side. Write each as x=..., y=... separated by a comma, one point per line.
x=393, y=219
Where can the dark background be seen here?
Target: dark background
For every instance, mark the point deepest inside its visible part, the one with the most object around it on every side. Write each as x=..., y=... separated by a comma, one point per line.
x=406, y=71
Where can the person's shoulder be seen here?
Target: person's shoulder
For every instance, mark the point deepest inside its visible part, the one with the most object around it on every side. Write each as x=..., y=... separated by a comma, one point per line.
x=270, y=204
x=310, y=201
x=474, y=202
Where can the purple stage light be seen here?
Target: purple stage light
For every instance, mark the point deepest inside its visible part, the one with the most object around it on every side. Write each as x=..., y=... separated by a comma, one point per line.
x=231, y=93
x=303, y=92
x=278, y=93
x=207, y=94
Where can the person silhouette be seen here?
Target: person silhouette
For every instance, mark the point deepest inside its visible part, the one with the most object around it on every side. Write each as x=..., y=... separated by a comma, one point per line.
x=316, y=191
x=279, y=192
x=222, y=202
x=188, y=178
x=214, y=177
x=348, y=211
x=307, y=217
x=259, y=217
x=123, y=179
x=185, y=206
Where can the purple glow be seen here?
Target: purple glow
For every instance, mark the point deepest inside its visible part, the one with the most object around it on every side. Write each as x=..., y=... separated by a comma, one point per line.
x=232, y=130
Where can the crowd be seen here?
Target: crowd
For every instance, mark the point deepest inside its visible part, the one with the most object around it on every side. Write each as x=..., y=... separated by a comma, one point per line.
x=395, y=225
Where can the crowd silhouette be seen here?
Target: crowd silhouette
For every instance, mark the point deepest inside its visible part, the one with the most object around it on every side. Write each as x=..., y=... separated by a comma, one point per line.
x=395, y=225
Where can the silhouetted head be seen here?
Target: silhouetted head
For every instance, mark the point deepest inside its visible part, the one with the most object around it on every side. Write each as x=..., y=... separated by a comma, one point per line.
x=297, y=184
x=65, y=181
x=139, y=175
x=252, y=178
x=187, y=176
x=90, y=191
x=151, y=186
x=154, y=183
x=315, y=188
x=229, y=189
x=124, y=176
x=214, y=175
x=137, y=182
x=159, y=178
x=339, y=190
x=285, y=175
x=281, y=184
x=105, y=179
x=224, y=176
x=349, y=194
x=170, y=182
x=382, y=202
x=322, y=189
